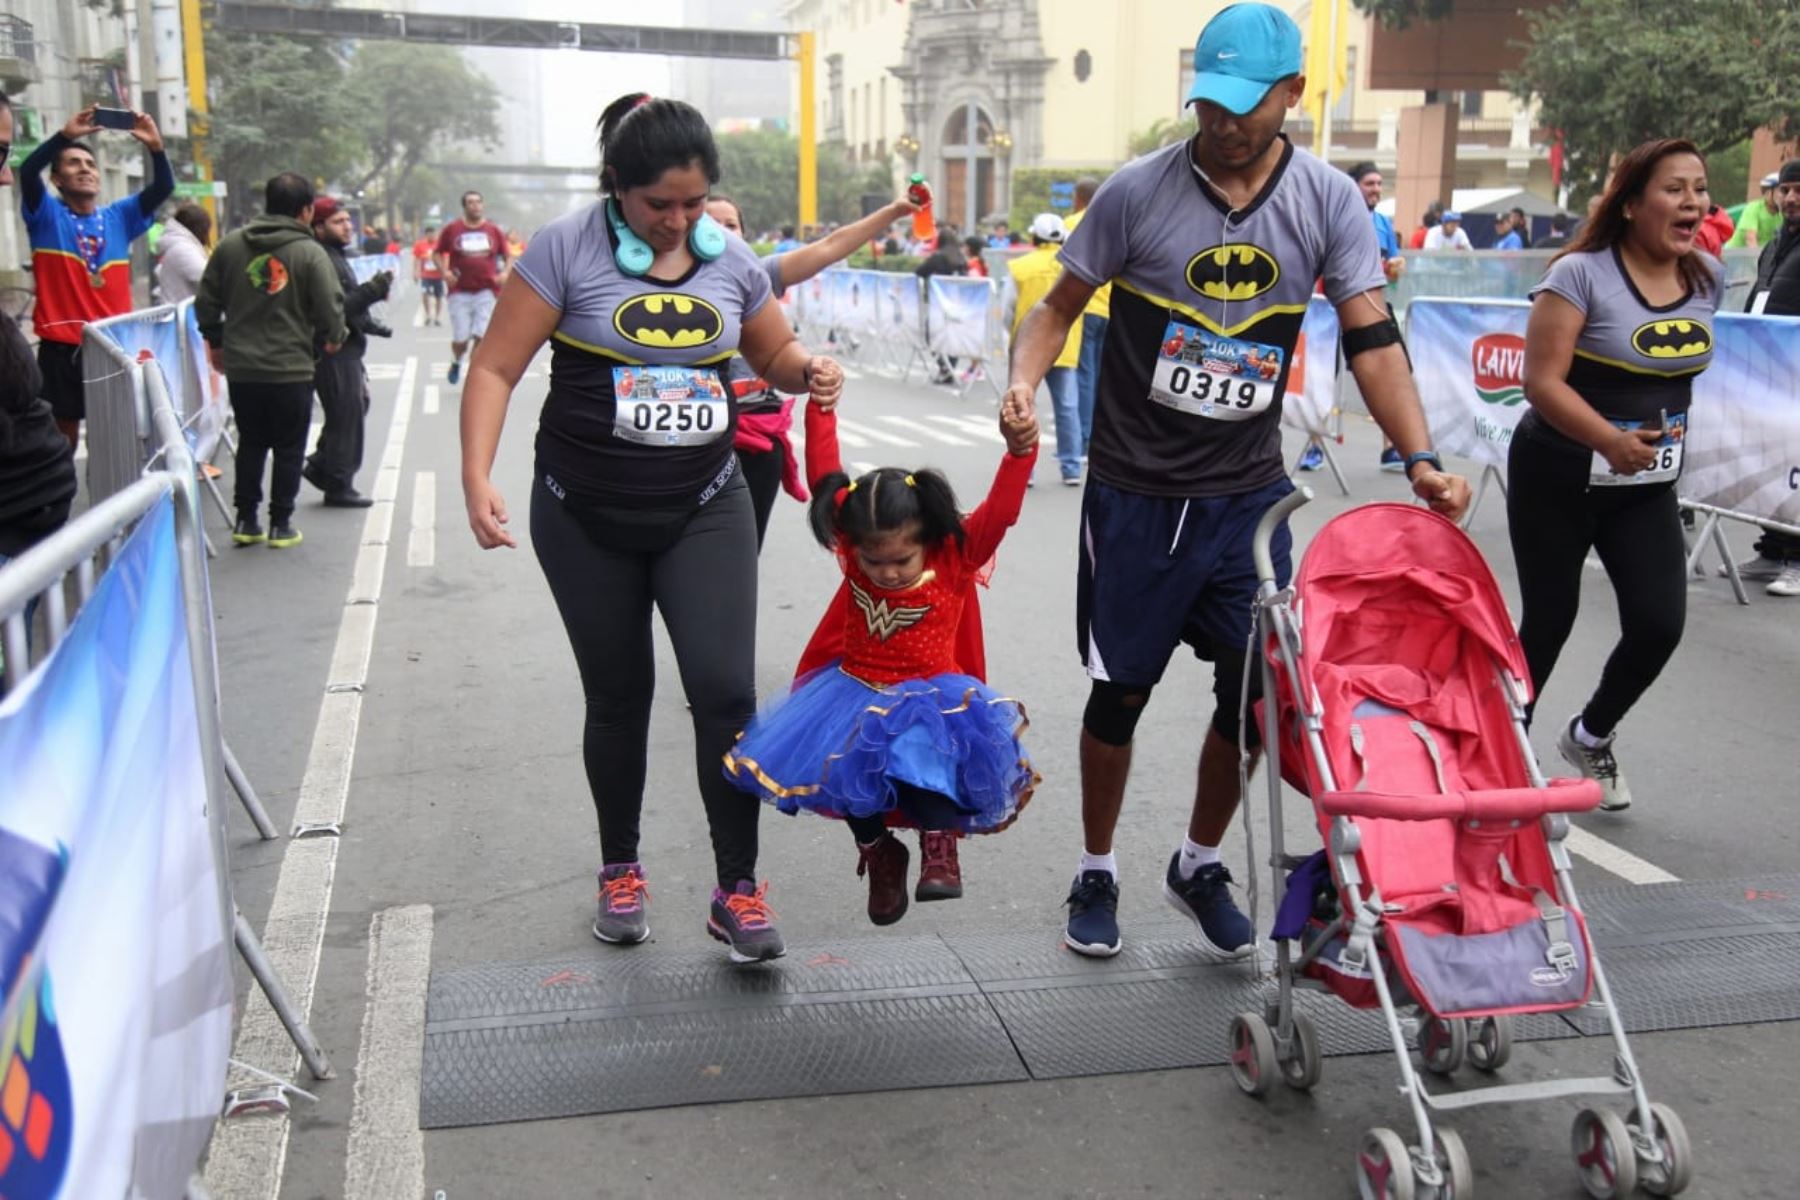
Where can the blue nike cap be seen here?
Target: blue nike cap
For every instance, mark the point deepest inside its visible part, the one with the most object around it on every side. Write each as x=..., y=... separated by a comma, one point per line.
x=1241, y=53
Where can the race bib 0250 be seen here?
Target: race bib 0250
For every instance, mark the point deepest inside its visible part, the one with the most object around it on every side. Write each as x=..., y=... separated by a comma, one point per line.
x=669, y=406
x=1212, y=376
x=1665, y=468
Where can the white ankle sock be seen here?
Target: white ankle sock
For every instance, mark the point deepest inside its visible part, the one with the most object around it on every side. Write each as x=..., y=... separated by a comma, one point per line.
x=1099, y=862
x=1193, y=857
x=1587, y=739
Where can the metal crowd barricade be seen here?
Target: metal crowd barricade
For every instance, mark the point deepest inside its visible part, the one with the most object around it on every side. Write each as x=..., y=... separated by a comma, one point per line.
x=120, y=443
x=80, y=553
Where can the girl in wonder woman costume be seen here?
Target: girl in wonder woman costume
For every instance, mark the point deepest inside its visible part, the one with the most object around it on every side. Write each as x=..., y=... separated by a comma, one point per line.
x=890, y=721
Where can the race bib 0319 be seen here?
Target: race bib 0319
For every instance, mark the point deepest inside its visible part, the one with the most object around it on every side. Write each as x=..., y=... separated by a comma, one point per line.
x=669, y=406
x=1212, y=376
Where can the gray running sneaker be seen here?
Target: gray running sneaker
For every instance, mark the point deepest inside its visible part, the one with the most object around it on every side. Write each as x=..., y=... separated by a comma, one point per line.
x=1787, y=583
x=1596, y=763
x=622, y=920
x=1756, y=569
x=742, y=920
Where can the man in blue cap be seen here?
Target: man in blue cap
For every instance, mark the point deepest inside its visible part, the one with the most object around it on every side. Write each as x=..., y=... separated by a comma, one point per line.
x=1212, y=247
x=1448, y=234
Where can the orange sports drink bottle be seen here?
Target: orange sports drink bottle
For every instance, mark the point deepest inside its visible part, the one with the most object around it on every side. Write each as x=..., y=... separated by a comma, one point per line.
x=919, y=192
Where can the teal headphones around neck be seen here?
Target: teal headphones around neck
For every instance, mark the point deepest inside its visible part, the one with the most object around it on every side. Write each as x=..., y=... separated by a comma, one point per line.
x=634, y=255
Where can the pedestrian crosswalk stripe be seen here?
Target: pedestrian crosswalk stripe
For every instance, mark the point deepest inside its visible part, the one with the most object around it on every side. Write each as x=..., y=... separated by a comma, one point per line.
x=852, y=429
x=973, y=426
x=949, y=439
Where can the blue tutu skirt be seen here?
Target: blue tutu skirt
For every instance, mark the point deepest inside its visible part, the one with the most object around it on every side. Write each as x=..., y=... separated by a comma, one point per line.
x=836, y=746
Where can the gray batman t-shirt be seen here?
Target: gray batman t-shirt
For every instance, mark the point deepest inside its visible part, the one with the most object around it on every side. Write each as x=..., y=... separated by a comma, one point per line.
x=1206, y=309
x=663, y=344
x=1634, y=361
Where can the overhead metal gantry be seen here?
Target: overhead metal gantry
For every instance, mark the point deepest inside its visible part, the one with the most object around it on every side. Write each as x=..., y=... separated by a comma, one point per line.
x=447, y=29
x=238, y=16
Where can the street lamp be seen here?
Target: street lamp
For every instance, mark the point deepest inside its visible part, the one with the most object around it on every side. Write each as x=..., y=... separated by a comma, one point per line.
x=1003, y=142
x=907, y=145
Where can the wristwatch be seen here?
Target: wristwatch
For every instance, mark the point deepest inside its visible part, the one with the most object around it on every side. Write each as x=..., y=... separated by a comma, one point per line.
x=1423, y=456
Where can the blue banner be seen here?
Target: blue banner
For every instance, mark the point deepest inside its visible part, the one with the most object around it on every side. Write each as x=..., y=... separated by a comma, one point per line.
x=115, y=955
x=1742, y=448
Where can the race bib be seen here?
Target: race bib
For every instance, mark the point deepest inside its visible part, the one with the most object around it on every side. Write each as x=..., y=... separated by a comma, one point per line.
x=474, y=241
x=1213, y=376
x=1666, y=467
x=669, y=406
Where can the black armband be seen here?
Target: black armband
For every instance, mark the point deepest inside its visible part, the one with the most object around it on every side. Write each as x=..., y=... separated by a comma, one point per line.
x=1384, y=332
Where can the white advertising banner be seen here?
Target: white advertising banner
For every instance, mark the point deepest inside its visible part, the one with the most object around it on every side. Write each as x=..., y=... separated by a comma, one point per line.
x=1742, y=449
x=1469, y=359
x=1312, y=380
x=958, y=321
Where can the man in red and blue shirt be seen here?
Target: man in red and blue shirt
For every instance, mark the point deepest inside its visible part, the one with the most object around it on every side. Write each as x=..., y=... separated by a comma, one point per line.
x=81, y=249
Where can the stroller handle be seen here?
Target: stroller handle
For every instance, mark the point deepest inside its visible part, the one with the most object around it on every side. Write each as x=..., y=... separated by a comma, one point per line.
x=1265, y=530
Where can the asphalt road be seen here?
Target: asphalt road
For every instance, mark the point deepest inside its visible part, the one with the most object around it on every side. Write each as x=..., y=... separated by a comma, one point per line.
x=466, y=794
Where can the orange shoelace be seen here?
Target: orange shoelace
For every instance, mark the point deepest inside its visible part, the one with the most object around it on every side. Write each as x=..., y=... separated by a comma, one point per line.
x=751, y=911
x=622, y=892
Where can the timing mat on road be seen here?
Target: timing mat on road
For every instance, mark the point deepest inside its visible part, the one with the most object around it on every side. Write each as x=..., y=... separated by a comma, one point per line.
x=620, y=1030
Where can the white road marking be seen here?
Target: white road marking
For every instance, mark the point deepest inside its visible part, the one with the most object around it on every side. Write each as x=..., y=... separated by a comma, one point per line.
x=859, y=469
x=421, y=538
x=948, y=439
x=386, y=1156
x=419, y=317
x=248, y=1154
x=852, y=429
x=846, y=438
x=1619, y=861
x=433, y=398
x=972, y=426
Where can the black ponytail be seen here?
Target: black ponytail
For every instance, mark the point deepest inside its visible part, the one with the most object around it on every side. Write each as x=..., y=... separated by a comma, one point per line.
x=886, y=500
x=640, y=138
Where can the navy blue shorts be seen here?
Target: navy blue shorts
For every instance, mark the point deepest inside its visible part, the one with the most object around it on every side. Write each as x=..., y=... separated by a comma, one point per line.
x=1157, y=572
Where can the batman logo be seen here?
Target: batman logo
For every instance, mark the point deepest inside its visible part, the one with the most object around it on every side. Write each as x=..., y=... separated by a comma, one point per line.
x=668, y=321
x=1234, y=272
x=1677, y=338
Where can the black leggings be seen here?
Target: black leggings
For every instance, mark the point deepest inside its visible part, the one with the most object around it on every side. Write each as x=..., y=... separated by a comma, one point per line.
x=932, y=810
x=761, y=469
x=1554, y=519
x=705, y=586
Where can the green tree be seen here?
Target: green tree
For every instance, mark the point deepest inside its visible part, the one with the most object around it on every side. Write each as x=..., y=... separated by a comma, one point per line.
x=279, y=104
x=1613, y=73
x=1165, y=132
x=413, y=102
x=1398, y=14
x=843, y=183
x=760, y=169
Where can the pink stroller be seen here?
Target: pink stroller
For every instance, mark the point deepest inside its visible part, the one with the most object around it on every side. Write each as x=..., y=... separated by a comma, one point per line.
x=1396, y=694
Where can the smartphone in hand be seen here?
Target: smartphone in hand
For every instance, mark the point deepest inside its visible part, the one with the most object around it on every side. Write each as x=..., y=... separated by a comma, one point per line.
x=115, y=118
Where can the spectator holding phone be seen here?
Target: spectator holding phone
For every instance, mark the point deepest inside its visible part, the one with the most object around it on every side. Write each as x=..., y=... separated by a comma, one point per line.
x=81, y=250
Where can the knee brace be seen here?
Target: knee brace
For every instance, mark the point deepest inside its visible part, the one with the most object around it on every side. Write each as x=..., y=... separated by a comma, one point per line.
x=1113, y=710
x=1228, y=682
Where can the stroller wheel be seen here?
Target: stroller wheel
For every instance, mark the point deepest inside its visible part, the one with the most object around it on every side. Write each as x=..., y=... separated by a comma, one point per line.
x=1383, y=1169
x=1453, y=1165
x=1670, y=1176
x=1604, y=1157
x=1491, y=1044
x=1443, y=1043
x=1304, y=1061
x=1253, y=1064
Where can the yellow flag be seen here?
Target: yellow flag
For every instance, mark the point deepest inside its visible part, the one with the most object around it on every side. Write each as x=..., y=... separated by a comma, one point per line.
x=1325, y=57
